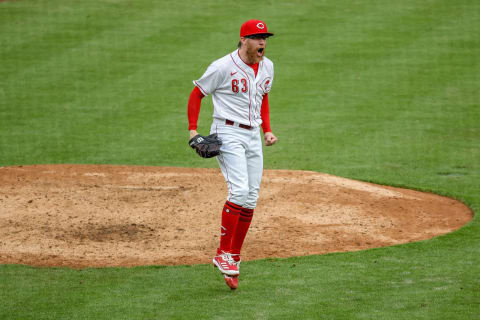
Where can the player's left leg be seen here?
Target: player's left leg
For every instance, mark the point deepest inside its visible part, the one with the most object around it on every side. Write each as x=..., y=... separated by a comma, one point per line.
x=254, y=158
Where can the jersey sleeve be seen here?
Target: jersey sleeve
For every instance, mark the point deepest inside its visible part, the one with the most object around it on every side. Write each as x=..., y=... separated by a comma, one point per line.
x=210, y=80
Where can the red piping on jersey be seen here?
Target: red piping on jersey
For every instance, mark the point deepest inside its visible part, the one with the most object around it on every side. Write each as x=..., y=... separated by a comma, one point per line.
x=256, y=99
x=264, y=88
x=246, y=75
x=220, y=156
x=200, y=87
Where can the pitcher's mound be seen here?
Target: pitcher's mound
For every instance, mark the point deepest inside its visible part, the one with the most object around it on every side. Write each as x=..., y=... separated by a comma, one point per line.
x=91, y=215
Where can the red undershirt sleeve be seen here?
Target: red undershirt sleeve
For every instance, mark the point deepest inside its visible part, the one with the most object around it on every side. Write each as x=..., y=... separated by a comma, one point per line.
x=194, y=103
x=265, y=114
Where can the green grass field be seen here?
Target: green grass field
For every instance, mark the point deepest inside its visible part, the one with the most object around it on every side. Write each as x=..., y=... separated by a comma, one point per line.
x=374, y=90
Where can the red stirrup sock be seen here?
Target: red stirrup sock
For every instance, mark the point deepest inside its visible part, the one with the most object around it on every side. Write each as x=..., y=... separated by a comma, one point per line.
x=241, y=231
x=230, y=215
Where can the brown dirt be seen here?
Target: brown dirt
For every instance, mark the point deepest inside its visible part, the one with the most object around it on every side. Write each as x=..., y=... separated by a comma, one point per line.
x=91, y=215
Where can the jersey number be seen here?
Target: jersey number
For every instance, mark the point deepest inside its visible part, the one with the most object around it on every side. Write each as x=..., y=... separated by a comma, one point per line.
x=235, y=85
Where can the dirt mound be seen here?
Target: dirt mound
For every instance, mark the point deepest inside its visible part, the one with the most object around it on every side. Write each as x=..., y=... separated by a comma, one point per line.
x=98, y=215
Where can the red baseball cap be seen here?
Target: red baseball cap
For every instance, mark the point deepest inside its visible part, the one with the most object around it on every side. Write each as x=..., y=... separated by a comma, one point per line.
x=252, y=27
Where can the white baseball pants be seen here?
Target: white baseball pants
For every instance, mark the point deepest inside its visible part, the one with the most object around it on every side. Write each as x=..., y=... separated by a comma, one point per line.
x=241, y=162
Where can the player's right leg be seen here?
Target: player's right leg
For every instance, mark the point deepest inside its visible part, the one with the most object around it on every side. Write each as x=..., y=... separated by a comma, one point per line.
x=233, y=165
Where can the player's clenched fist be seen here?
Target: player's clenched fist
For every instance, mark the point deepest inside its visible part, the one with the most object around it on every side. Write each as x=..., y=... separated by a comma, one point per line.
x=270, y=139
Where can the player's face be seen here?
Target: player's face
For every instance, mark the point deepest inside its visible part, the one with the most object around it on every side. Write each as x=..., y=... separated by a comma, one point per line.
x=255, y=48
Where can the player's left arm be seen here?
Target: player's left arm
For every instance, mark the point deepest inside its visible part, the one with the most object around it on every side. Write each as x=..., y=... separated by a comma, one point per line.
x=270, y=138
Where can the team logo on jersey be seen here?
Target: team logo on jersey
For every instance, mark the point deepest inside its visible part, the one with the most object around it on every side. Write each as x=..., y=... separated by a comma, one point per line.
x=260, y=25
x=266, y=85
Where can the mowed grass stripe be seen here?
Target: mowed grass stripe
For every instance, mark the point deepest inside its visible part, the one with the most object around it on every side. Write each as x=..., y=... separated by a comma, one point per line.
x=59, y=30
x=118, y=49
x=92, y=97
x=377, y=97
x=60, y=87
x=83, y=65
x=429, y=99
x=354, y=62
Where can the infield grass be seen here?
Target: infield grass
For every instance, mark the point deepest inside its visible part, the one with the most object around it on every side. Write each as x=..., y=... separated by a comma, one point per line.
x=381, y=91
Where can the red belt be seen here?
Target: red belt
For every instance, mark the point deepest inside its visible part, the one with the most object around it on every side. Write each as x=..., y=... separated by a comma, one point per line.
x=231, y=123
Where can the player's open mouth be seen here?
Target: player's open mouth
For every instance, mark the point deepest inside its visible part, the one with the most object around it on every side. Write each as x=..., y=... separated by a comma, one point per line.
x=260, y=51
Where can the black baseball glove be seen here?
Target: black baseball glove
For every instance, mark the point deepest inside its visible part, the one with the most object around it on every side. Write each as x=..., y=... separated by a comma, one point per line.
x=206, y=147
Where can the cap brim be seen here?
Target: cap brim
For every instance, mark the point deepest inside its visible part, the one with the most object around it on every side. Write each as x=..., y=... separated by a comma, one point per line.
x=267, y=34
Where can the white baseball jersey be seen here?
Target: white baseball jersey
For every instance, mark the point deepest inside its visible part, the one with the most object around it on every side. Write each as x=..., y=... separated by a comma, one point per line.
x=236, y=93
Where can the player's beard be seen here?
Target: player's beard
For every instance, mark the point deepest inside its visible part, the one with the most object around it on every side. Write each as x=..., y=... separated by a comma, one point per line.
x=255, y=53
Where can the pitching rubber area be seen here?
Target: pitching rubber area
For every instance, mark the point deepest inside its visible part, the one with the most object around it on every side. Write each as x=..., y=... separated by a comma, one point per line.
x=101, y=215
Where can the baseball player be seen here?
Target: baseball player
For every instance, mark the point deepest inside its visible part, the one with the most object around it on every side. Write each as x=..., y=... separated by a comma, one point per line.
x=239, y=84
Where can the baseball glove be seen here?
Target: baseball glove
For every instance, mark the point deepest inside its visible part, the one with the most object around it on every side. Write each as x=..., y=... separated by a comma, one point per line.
x=206, y=147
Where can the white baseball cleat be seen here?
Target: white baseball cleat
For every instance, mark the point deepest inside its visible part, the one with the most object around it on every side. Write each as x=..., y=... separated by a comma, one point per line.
x=236, y=260
x=225, y=263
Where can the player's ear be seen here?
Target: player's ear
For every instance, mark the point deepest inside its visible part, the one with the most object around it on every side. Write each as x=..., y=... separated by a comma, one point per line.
x=242, y=41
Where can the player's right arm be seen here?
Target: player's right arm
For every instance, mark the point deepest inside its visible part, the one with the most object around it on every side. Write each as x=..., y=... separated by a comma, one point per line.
x=194, y=104
x=204, y=86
